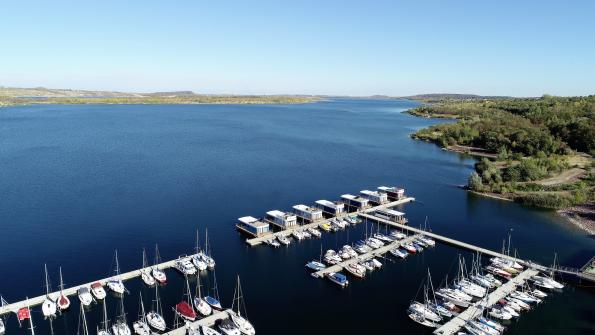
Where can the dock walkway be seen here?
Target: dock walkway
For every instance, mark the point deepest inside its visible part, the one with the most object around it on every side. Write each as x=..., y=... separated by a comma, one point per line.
x=72, y=291
x=259, y=240
x=364, y=257
x=208, y=321
x=458, y=322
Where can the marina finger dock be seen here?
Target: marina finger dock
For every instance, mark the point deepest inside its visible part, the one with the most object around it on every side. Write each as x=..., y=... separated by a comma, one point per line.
x=208, y=321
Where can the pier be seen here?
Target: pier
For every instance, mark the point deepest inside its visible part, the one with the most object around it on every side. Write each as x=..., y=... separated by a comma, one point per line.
x=72, y=291
x=286, y=232
x=208, y=321
x=459, y=321
x=364, y=257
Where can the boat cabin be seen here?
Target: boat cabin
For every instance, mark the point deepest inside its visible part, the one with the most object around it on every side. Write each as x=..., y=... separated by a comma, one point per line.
x=393, y=193
x=355, y=202
x=391, y=215
x=307, y=213
x=252, y=226
x=331, y=208
x=375, y=196
x=281, y=219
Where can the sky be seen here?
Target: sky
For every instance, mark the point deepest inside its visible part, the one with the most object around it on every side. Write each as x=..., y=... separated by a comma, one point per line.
x=367, y=47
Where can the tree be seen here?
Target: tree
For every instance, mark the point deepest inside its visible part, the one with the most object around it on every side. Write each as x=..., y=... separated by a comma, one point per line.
x=475, y=182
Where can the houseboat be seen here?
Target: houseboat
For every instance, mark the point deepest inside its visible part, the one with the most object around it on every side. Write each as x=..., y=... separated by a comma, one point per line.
x=281, y=219
x=330, y=208
x=307, y=213
x=375, y=196
x=391, y=215
x=252, y=226
x=393, y=193
x=355, y=203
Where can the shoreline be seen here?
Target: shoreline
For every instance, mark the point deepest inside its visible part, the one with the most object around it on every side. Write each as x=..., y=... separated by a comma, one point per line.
x=581, y=216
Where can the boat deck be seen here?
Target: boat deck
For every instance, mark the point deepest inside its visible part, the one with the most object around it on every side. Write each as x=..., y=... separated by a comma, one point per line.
x=363, y=257
x=259, y=240
x=72, y=291
x=456, y=323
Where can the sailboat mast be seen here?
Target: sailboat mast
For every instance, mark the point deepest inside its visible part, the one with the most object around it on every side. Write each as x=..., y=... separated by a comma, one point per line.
x=30, y=318
x=508, y=252
x=197, y=242
x=84, y=318
x=47, y=284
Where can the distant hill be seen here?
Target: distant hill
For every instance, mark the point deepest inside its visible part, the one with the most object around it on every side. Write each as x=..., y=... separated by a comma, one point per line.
x=440, y=97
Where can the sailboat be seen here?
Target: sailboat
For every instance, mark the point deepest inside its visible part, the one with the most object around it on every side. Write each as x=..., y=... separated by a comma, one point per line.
x=104, y=330
x=206, y=255
x=120, y=327
x=115, y=283
x=140, y=326
x=423, y=313
x=154, y=317
x=213, y=301
x=236, y=315
x=145, y=272
x=85, y=330
x=2, y=326
x=48, y=307
x=184, y=308
x=316, y=265
x=157, y=273
x=198, y=261
x=63, y=301
x=199, y=303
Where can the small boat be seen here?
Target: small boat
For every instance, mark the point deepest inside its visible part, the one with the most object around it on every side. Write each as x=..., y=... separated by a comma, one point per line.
x=347, y=249
x=351, y=219
x=63, y=300
x=297, y=234
x=376, y=263
x=240, y=321
x=184, y=266
x=484, y=328
x=48, y=306
x=325, y=226
x=214, y=301
x=85, y=296
x=208, y=331
x=157, y=273
x=98, y=290
x=500, y=313
x=491, y=323
x=314, y=232
x=506, y=262
x=184, y=308
x=227, y=327
x=316, y=266
x=199, y=303
x=338, y=279
x=368, y=265
x=409, y=247
x=427, y=240
x=383, y=238
x=283, y=240
x=442, y=310
x=538, y=293
x=425, y=311
x=331, y=257
x=145, y=271
x=398, y=253
x=514, y=313
x=356, y=270
x=520, y=303
x=2, y=325
x=198, y=261
x=120, y=327
x=273, y=243
x=525, y=297
x=422, y=320
x=448, y=295
x=141, y=326
x=498, y=272
x=397, y=235
x=306, y=234
x=115, y=283
x=154, y=317
x=417, y=247
x=549, y=281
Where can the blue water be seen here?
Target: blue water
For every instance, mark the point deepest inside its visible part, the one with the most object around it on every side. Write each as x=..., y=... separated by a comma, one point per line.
x=77, y=182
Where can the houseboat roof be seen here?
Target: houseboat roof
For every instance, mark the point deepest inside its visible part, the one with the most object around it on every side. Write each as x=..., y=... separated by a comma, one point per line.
x=328, y=203
x=353, y=197
x=280, y=214
x=390, y=212
x=390, y=189
x=368, y=192
x=306, y=208
x=252, y=221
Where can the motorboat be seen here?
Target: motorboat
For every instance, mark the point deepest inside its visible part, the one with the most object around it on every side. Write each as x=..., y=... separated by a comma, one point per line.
x=525, y=297
x=349, y=251
x=409, y=247
x=283, y=240
x=351, y=219
x=331, y=257
x=48, y=306
x=297, y=234
x=325, y=226
x=506, y=262
x=377, y=241
x=184, y=266
x=306, y=234
x=398, y=253
x=427, y=240
x=85, y=296
x=383, y=238
x=316, y=266
x=338, y=278
x=374, y=243
x=498, y=272
x=491, y=323
x=227, y=327
x=549, y=281
x=510, y=304
x=314, y=232
x=98, y=291
x=397, y=235
x=273, y=243
x=376, y=263
x=356, y=270
x=417, y=247
x=520, y=303
x=63, y=301
x=344, y=254
x=484, y=328
x=368, y=265
x=500, y=313
x=508, y=309
x=339, y=223
x=538, y=293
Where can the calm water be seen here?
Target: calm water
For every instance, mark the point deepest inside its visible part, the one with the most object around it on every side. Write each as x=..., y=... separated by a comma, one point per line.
x=77, y=182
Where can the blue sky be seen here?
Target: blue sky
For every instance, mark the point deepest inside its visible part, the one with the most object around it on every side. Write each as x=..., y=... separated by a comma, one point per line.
x=519, y=48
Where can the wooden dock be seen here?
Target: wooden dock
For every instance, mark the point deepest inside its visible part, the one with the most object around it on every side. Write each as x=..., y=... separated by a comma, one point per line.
x=475, y=310
x=72, y=291
x=364, y=257
x=259, y=240
x=208, y=321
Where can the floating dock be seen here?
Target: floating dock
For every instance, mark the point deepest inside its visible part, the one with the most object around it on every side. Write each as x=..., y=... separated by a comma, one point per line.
x=288, y=231
x=364, y=257
x=72, y=291
x=455, y=324
x=208, y=321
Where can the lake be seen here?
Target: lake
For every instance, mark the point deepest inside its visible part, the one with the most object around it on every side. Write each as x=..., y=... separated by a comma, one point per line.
x=78, y=182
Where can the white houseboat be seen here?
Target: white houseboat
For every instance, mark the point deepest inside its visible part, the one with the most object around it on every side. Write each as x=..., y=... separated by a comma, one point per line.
x=391, y=215
x=331, y=208
x=375, y=196
x=307, y=213
x=281, y=219
x=394, y=193
x=252, y=226
x=355, y=202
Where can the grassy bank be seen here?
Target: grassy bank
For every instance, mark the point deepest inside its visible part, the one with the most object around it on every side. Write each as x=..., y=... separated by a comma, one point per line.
x=537, y=151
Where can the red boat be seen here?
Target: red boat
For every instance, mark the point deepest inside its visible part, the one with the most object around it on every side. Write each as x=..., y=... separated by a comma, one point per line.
x=186, y=311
